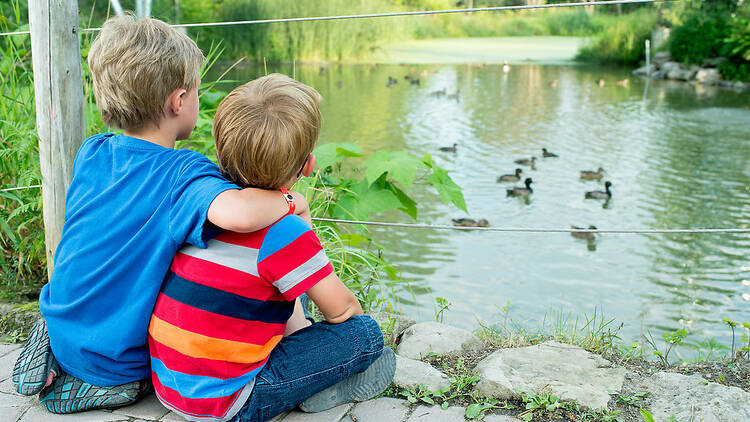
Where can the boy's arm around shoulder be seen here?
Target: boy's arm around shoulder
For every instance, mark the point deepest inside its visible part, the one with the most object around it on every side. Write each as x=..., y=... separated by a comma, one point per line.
x=334, y=299
x=251, y=209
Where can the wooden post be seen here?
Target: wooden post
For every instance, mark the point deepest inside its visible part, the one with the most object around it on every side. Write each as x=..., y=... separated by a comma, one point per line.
x=60, y=119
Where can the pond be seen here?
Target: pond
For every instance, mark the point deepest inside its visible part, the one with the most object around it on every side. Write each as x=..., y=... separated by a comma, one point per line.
x=678, y=156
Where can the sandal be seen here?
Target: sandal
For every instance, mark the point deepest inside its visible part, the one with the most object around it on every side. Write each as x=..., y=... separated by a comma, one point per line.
x=68, y=394
x=32, y=368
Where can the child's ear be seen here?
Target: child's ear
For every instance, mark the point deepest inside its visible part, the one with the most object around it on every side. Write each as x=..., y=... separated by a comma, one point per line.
x=309, y=165
x=175, y=101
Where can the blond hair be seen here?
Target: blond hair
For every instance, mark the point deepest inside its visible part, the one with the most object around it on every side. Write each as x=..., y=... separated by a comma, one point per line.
x=265, y=129
x=135, y=64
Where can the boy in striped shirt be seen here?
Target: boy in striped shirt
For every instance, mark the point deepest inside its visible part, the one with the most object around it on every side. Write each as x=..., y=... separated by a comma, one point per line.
x=229, y=339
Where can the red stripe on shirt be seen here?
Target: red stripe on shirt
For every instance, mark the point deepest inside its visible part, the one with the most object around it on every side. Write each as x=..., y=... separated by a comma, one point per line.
x=291, y=256
x=224, y=278
x=249, y=240
x=214, y=325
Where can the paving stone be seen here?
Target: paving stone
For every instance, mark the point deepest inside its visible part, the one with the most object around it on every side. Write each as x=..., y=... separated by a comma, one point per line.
x=694, y=398
x=330, y=415
x=146, y=408
x=385, y=409
x=437, y=414
x=173, y=417
x=569, y=372
x=412, y=373
x=6, y=363
x=392, y=322
x=499, y=418
x=37, y=414
x=433, y=337
x=7, y=386
x=16, y=400
x=11, y=414
x=279, y=418
x=6, y=348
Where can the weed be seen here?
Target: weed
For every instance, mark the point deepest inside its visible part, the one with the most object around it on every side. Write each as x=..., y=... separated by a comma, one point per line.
x=731, y=325
x=672, y=339
x=476, y=410
x=636, y=400
x=441, y=305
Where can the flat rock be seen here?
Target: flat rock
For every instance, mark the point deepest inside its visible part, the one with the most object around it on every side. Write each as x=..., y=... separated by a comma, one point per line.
x=669, y=67
x=694, y=398
x=437, y=414
x=148, y=407
x=569, y=372
x=392, y=323
x=708, y=76
x=379, y=410
x=424, y=338
x=500, y=418
x=329, y=415
x=37, y=414
x=412, y=373
x=661, y=57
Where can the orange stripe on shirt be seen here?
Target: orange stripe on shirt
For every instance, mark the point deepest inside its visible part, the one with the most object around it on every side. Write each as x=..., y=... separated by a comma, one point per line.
x=200, y=346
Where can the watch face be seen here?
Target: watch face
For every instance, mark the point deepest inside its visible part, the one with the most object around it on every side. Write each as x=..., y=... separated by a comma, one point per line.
x=289, y=197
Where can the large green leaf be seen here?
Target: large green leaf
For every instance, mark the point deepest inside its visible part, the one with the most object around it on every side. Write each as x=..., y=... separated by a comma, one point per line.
x=328, y=154
x=448, y=190
x=400, y=166
x=408, y=205
x=365, y=200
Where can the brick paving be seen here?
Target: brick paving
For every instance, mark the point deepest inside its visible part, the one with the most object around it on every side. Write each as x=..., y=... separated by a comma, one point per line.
x=17, y=408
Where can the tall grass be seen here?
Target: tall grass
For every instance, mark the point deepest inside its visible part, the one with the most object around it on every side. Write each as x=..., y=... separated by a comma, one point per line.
x=622, y=40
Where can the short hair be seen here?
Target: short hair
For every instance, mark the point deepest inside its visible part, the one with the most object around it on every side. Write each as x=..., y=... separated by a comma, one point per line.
x=135, y=64
x=265, y=129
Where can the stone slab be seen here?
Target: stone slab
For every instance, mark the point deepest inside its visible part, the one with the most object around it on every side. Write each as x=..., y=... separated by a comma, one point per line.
x=146, y=408
x=424, y=338
x=437, y=414
x=12, y=414
x=330, y=415
x=37, y=414
x=694, y=398
x=6, y=348
x=172, y=417
x=6, y=363
x=16, y=400
x=499, y=418
x=411, y=373
x=378, y=410
x=6, y=386
x=569, y=372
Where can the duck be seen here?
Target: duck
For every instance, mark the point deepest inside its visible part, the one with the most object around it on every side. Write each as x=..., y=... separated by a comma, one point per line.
x=453, y=96
x=583, y=235
x=624, y=82
x=415, y=81
x=548, y=154
x=470, y=222
x=597, y=194
x=506, y=67
x=517, y=191
x=391, y=81
x=511, y=177
x=526, y=162
x=449, y=149
x=601, y=83
x=438, y=93
x=553, y=84
x=592, y=175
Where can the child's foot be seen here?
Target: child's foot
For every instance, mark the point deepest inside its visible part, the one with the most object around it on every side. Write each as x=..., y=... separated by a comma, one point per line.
x=35, y=366
x=68, y=394
x=358, y=387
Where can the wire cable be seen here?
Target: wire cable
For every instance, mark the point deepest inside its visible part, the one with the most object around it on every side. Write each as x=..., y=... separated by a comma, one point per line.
x=20, y=188
x=390, y=14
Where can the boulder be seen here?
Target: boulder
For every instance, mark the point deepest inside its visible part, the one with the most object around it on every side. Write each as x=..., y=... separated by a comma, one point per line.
x=661, y=57
x=708, y=76
x=694, y=398
x=657, y=75
x=424, y=338
x=569, y=372
x=394, y=324
x=725, y=84
x=739, y=86
x=670, y=66
x=645, y=70
x=679, y=75
x=714, y=61
x=411, y=373
x=692, y=71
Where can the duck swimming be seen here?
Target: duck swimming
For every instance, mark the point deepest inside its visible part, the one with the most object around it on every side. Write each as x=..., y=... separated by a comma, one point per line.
x=548, y=154
x=448, y=149
x=470, y=222
x=526, y=162
x=518, y=191
x=597, y=194
x=511, y=177
x=592, y=175
x=583, y=235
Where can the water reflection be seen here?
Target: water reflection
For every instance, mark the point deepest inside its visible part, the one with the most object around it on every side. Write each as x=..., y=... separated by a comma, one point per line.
x=677, y=154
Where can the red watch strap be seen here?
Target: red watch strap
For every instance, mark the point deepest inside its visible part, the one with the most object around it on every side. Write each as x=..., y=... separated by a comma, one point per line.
x=289, y=199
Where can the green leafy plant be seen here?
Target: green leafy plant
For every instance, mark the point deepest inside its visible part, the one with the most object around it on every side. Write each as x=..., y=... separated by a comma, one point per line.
x=441, y=305
x=477, y=410
x=646, y=415
x=732, y=325
x=672, y=339
x=635, y=400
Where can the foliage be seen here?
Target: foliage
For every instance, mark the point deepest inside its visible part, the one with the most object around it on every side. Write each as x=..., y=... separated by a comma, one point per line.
x=623, y=41
x=699, y=37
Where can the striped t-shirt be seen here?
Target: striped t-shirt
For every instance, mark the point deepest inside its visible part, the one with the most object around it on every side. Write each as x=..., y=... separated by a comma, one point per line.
x=223, y=309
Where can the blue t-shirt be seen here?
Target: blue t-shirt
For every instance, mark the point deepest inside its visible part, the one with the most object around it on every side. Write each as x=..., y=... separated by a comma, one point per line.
x=131, y=205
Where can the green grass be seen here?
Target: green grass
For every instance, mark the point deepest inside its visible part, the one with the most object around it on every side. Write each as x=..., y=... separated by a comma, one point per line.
x=622, y=39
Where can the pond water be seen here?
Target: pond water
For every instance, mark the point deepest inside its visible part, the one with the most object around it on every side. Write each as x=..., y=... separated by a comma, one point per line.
x=678, y=156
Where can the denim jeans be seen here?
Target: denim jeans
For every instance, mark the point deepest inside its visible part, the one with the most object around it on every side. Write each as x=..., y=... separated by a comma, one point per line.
x=309, y=361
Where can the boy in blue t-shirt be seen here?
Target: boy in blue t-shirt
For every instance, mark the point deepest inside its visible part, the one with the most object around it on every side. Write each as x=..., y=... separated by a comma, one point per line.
x=133, y=202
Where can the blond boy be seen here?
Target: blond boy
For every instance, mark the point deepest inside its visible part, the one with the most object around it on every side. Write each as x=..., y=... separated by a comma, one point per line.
x=133, y=202
x=228, y=337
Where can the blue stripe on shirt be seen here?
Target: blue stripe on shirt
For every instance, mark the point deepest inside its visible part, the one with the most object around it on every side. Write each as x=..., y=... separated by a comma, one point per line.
x=282, y=233
x=200, y=387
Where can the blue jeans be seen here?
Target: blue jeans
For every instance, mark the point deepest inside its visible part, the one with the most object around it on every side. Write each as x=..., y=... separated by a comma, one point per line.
x=309, y=361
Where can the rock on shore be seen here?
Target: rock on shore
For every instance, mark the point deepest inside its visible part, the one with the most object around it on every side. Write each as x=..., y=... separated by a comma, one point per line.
x=663, y=67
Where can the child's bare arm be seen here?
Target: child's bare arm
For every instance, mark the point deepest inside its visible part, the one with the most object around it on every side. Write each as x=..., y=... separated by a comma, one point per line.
x=250, y=209
x=334, y=299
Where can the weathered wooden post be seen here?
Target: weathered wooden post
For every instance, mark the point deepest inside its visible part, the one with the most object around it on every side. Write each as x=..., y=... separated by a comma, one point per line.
x=58, y=92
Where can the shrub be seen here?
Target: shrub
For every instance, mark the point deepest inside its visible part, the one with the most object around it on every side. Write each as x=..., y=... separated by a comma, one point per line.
x=622, y=40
